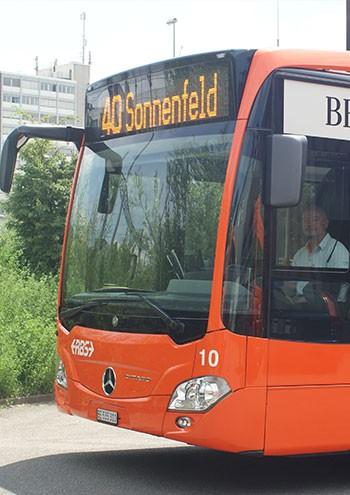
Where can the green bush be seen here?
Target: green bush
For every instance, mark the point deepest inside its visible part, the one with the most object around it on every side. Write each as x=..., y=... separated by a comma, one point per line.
x=9, y=369
x=38, y=203
x=9, y=250
x=27, y=325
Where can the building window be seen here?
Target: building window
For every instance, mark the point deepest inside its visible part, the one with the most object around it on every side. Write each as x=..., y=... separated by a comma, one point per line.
x=64, y=88
x=30, y=100
x=12, y=81
x=46, y=86
x=29, y=84
x=10, y=98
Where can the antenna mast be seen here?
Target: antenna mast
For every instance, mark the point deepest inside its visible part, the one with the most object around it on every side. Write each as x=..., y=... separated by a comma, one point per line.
x=36, y=68
x=83, y=18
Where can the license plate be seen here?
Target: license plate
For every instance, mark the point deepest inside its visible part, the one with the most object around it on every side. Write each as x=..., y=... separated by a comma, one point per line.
x=109, y=417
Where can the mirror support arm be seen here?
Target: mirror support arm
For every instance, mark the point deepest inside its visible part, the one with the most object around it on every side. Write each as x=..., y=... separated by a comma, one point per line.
x=14, y=143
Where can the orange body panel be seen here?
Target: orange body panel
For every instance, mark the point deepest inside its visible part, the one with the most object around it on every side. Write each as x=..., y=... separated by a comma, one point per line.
x=235, y=424
x=146, y=364
x=308, y=386
x=294, y=416
x=257, y=362
x=298, y=363
x=280, y=392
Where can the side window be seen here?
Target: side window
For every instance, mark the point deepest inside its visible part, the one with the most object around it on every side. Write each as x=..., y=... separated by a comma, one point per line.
x=310, y=267
x=242, y=292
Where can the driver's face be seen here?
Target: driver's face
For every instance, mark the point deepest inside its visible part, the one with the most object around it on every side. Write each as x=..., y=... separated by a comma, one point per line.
x=315, y=223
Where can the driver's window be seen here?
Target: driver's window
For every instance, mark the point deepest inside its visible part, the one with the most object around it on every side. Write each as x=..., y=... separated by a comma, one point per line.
x=310, y=281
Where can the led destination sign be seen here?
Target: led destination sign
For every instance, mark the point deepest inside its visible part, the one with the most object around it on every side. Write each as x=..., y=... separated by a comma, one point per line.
x=177, y=96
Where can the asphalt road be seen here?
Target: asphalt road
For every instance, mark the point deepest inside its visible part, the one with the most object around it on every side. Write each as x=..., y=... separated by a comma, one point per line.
x=43, y=452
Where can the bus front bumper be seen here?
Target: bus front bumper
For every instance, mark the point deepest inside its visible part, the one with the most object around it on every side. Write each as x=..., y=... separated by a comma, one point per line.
x=232, y=425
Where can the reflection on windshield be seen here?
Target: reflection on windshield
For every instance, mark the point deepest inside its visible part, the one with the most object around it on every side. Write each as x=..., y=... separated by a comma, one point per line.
x=145, y=217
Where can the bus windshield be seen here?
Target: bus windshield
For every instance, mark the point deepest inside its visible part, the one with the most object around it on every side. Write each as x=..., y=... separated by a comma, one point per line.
x=144, y=221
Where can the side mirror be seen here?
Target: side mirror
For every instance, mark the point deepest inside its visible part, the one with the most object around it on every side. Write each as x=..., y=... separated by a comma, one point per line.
x=286, y=161
x=19, y=136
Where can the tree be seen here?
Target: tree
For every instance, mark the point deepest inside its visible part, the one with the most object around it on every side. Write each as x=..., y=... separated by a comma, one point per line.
x=38, y=203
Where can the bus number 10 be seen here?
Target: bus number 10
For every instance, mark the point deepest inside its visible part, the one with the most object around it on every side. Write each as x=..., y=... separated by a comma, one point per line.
x=210, y=358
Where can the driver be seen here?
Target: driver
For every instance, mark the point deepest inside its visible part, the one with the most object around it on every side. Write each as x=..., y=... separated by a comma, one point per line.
x=321, y=250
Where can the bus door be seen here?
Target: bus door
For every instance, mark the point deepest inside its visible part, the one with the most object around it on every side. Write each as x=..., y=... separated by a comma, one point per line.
x=308, y=317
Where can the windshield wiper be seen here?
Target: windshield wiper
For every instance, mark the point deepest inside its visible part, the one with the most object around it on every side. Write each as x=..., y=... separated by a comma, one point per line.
x=71, y=312
x=92, y=303
x=172, y=324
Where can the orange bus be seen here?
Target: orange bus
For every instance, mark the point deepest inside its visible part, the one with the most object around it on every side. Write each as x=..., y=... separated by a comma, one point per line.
x=205, y=291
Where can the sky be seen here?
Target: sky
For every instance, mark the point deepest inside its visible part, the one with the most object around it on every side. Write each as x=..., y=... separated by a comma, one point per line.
x=123, y=34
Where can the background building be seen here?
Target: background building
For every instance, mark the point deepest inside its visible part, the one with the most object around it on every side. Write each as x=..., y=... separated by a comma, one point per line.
x=53, y=96
x=77, y=73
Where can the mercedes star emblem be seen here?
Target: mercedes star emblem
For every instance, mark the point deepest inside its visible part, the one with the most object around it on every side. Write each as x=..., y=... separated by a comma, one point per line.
x=108, y=381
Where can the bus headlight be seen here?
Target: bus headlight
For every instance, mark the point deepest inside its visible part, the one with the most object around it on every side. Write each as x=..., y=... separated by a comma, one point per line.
x=61, y=376
x=198, y=394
